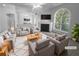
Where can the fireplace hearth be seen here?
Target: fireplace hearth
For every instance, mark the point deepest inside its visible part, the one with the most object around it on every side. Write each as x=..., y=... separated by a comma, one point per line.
x=44, y=27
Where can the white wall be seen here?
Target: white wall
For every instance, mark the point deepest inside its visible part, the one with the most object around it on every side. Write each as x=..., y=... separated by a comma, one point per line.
x=19, y=11
x=34, y=14
x=23, y=12
x=1, y=19
x=4, y=10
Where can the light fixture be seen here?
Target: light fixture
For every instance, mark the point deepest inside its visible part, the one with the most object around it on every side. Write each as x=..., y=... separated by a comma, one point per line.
x=3, y=5
x=12, y=29
x=37, y=5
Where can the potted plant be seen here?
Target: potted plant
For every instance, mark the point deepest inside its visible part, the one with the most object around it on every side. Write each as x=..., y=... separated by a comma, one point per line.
x=75, y=32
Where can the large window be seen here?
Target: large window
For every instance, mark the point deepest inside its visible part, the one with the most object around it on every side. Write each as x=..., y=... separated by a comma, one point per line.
x=62, y=20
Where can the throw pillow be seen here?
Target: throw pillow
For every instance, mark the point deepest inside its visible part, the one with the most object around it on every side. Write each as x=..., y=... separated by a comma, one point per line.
x=9, y=33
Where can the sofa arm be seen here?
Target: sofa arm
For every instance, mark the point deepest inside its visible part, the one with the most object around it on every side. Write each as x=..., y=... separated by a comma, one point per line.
x=61, y=47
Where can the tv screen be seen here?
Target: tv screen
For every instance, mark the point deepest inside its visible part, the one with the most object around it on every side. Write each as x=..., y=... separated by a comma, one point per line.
x=44, y=17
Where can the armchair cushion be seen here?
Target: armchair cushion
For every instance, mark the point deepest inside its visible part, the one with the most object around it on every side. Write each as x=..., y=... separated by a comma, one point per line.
x=42, y=43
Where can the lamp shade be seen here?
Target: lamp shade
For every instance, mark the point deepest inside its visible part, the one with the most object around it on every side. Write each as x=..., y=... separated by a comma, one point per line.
x=12, y=28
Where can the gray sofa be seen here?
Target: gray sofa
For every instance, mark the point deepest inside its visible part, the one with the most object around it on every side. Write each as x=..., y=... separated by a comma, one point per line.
x=22, y=31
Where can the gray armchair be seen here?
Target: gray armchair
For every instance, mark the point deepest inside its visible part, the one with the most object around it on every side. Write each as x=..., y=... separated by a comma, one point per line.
x=59, y=45
x=45, y=51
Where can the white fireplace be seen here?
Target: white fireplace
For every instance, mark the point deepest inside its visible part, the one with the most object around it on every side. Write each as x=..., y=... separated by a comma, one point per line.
x=46, y=22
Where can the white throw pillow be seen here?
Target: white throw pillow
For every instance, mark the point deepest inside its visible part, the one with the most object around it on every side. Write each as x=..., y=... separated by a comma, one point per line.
x=1, y=40
x=6, y=35
x=9, y=33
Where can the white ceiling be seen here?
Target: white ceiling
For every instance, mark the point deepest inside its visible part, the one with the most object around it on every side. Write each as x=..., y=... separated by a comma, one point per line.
x=45, y=5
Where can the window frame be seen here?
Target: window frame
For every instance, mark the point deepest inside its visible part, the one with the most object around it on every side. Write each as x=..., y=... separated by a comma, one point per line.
x=69, y=18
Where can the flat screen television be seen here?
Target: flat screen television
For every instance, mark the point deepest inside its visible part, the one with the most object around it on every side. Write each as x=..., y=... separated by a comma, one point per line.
x=26, y=19
x=46, y=17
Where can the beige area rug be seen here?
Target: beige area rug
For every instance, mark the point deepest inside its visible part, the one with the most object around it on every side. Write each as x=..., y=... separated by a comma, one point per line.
x=20, y=47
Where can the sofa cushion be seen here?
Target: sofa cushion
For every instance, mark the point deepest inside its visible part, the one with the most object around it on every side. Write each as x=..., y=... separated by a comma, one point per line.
x=42, y=43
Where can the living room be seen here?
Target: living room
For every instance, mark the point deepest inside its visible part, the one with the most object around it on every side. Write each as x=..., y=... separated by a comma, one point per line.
x=22, y=24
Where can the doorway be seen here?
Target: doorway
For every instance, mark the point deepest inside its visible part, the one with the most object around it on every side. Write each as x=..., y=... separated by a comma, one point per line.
x=11, y=20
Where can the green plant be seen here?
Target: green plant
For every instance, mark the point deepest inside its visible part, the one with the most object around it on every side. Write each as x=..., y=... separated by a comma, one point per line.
x=75, y=32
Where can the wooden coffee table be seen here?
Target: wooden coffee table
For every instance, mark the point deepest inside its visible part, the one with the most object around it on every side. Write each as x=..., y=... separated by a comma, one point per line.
x=34, y=36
